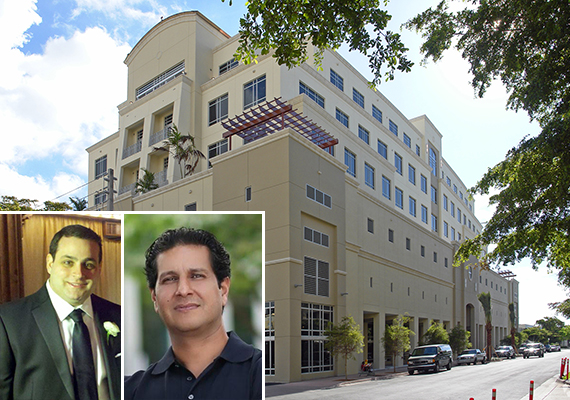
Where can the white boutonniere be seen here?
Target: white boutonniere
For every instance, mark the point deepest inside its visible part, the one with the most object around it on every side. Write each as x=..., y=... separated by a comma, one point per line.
x=111, y=328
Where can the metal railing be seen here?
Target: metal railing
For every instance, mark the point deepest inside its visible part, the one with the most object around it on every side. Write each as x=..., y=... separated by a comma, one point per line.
x=160, y=178
x=128, y=188
x=160, y=135
x=132, y=149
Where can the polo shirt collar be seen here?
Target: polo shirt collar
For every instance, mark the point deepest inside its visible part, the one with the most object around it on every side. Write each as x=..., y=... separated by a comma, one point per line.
x=235, y=351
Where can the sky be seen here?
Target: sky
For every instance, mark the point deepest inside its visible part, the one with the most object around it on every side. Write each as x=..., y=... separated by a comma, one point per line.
x=62, y=76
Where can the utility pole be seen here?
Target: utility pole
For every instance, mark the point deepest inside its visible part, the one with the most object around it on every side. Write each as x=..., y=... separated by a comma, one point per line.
x=110, y=189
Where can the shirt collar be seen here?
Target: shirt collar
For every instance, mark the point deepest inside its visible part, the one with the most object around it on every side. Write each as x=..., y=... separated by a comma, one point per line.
x=235, y=351
x=63, y=308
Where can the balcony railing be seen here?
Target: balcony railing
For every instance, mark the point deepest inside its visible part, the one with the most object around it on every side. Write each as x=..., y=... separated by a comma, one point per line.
x=160, y=135
x=132, y=149
x=160, y=178
x=128, y=188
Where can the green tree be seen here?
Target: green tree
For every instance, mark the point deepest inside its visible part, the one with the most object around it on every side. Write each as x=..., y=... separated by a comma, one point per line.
x=525, y=44
x=12, y=203
x=435, y=334
x=183, y=149
x=344, y=339
x=485, y=300
x=459, y=339
x=78, y=204
x=55, y=206
x=146, y=183
x=286, y=27
x=537, y=334
x=396, y=339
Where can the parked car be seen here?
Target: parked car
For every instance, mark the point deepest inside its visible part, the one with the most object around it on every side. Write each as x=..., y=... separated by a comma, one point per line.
x=547, y=348
x=554, y=347
x=522, y=347
x=505, y=351
x=471, y=356
x=430, y=357
x=534, y=349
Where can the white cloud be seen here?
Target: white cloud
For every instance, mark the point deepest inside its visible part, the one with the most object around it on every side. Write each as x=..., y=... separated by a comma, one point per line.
x=119, y=9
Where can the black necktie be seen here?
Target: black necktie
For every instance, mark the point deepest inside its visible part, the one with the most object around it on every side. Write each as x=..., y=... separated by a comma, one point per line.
x=83, y=366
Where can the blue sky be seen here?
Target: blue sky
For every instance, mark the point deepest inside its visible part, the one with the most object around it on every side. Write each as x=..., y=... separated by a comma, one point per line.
x=62, y=77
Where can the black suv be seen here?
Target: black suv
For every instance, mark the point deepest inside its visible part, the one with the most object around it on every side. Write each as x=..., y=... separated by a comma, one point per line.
x=430, y=357
x=534, y=349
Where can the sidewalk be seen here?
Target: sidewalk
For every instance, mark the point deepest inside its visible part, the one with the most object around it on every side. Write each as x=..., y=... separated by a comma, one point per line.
x=553, y=389
x=279, y=389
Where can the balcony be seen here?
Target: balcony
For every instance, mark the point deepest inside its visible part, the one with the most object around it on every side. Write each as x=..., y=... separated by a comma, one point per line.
x=128, y=188
x=160, y=178
x=159, y=136
x=132, y=149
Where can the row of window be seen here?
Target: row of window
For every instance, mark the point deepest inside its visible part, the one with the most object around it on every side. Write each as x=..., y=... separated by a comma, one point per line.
x=409, y=292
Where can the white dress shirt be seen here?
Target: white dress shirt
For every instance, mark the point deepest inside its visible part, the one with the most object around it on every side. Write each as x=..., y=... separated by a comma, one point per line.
x=63, y=309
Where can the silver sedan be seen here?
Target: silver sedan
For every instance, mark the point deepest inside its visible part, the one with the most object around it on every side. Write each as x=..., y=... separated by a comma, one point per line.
x=471, y=356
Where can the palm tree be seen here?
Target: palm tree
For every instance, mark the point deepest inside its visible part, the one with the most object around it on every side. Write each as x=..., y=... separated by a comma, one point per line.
x=485, y=300
x=146, y=183
x=183, y=148
x=513, y=319
x=78, y=204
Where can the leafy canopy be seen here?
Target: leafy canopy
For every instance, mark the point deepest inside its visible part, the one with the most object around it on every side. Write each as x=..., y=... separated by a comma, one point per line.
x=396, y=339
x=286, y=28
x=344, y=339
x=525, y=44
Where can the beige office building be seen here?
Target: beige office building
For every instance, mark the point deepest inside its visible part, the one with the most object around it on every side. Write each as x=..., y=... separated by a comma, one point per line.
x=363, y=213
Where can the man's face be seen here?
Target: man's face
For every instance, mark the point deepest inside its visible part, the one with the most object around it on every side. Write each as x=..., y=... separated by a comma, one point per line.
x=75, y=269
x=187, y=296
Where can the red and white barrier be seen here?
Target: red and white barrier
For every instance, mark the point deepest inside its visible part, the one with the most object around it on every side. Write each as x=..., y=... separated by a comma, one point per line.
x=494, y=394
x=531, y=392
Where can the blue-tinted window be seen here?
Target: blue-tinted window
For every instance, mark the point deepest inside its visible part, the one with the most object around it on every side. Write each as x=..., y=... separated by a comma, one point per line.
x=358, y=97
x=342, y=117
x=411, y=174
x=376, y=113
x=424, y=214
x=412, y=205
x=382, y=149
x=363, y=134
x=407, y=141
x=398, y=163
x=350, y=162
x=337, y=80
x=393, y=128
x=399, y=198
x=317, y=98
x=386, y=187
x=423, y=181
x=369, y=175
x=254, y=92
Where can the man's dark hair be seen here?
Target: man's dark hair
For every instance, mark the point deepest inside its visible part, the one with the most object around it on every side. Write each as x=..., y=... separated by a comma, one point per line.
x=76, y=231
x=219, y=257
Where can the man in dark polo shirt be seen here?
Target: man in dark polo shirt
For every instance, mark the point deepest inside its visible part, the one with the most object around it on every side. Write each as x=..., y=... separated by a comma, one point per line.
x=188, y=273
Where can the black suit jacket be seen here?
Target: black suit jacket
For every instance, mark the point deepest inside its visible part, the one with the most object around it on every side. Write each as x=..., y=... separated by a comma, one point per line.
x=33, y=364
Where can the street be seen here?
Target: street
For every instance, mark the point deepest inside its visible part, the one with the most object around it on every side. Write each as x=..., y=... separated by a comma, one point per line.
x=511, y=378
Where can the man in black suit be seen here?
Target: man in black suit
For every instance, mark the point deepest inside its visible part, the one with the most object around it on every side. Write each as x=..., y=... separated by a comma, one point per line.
x=63, y=342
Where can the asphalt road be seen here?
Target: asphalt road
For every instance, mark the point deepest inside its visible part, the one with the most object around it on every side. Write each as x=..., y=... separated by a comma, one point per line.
x=511, y=379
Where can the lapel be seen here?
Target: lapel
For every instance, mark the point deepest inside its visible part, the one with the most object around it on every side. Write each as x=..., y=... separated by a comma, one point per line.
x=46, y=319
x=111, y=348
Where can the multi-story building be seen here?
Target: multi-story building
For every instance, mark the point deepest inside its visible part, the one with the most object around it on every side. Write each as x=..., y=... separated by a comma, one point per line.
x=363, y=213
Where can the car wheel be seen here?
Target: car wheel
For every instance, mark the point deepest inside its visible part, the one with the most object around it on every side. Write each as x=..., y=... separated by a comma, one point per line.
x=449, y=365
x=411, y=371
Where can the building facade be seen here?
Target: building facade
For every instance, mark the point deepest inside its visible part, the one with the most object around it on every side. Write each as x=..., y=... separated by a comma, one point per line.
x=363, y=213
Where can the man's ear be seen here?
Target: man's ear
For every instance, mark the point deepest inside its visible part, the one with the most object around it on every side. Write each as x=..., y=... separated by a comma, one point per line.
x=225, y=289
x=49, y=263
x=153, y=297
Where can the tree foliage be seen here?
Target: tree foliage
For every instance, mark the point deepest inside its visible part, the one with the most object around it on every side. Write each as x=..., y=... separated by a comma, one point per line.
x=525, y=44
x=146, y=183
x=286, y=27
x=396, y=339
x=435, y=334
x=344, y=339
x=78, y=204
x=485, y=300
x=459, y=339
x=183, y=149
x=12, y=203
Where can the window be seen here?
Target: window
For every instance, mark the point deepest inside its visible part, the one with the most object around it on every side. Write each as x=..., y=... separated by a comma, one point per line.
x=317, y=98
x=190, y=207
x=350, y=162
x=254, y=92
x=433, y=161
x=452, y=209
x=399, y=198
x=433, y=195
x=140, y=135
x=100, y=198
x=386, y=187
x=337, y=80
x=412, y=206
x=423, y=183
x=358, y=97
x=316, y=280
x=100, y=167
x=248, y=194
x=445, y=229
x=342, y=117
x=228, y=65
x=160, y=80
x=270, y=338
x=455, y=189
x=218, y=109
x=398, y=163
x=383, y=149
x=408, y=244
x=393, y=127
x=363, y=134
x=433, y=223
x=445, y=203
x=318, y=196
x=390, y=235
x=458, y=215
x=435, y=256
x=411, y=174
x=407, y=141
x=376, y=113
x=424, y=214
x=370, y=225
x=314, y=320
x=369, y=175
x=418, y=152
x=217, y=148
x=316, y=237
x=448, y=181
x=422, y=251
x=445, y=262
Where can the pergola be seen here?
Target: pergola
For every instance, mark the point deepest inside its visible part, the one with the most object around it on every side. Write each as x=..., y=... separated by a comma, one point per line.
x=273, y=116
